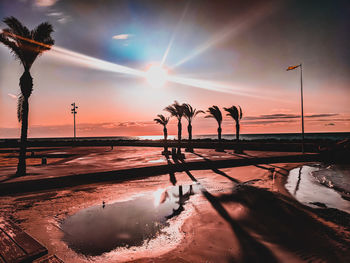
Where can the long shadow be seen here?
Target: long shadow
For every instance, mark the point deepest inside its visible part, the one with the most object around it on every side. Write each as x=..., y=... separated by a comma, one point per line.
x=172, y=177
x=244, y=155
x=217, y=170
x=281, y=220
x=271, y=168
x=9, y=178
x=252, y=250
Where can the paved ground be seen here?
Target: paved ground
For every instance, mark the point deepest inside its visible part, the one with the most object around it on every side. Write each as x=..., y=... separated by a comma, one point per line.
x=81, y=160
x=218, y=224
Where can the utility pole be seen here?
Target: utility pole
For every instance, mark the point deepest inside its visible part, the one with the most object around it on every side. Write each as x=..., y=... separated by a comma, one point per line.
x=302, y=108
x=74, y=111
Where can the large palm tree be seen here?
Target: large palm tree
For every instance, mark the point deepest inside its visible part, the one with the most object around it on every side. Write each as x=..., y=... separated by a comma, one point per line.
x=177, y=110
x=162, y=120
x=189, y=114
x=26, y=46
x=214, y=112
x=236, y=114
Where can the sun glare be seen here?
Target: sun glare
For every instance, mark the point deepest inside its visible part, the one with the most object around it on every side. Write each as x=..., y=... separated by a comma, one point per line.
x=156, y=76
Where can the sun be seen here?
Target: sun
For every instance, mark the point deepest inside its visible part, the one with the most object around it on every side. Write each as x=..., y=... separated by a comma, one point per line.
x=156, y=76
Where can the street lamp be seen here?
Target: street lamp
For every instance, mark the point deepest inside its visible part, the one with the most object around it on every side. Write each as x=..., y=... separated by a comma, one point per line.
x=74, y=111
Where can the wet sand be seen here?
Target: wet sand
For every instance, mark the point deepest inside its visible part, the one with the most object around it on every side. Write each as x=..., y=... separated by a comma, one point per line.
x=241, y=215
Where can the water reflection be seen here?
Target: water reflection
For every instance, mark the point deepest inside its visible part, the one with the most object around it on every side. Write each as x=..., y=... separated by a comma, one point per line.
x=309, y=191
x=99, y=229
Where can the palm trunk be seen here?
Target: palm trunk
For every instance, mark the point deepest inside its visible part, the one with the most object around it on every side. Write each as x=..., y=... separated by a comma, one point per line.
x=21, y=167
x=189, y=145
x=26, y=85
x=189, y=129
x=237, y=131
x=165, y=131
x=219, y=133
x=179, y=130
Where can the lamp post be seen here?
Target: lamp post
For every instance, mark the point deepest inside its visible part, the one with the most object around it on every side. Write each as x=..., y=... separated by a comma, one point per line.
x=302, y=103
x=74, y=111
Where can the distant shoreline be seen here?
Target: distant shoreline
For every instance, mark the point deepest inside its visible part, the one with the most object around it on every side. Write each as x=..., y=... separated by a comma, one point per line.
x=259, y=145
x=228, y=136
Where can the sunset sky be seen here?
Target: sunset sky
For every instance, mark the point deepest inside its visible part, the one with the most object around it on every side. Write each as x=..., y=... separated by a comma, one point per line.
x=222, y=52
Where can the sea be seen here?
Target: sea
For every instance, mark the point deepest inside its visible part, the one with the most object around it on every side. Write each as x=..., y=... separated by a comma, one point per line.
x=336, y=136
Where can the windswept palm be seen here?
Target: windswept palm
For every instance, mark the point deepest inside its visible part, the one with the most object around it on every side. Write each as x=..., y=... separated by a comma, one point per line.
x=162, y=120
x=177, y=111
x=214, y=112
x=26, y=46
x=236, y=114
x=190, y=114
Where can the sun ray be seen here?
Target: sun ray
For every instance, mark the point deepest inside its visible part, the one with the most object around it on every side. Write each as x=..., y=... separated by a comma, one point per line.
x=174, y=34
x=233, y=29
x=219, y=87
x=91, y=62
x=99, y=64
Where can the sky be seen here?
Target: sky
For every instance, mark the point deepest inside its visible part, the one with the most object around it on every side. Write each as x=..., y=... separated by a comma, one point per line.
x=220, y=53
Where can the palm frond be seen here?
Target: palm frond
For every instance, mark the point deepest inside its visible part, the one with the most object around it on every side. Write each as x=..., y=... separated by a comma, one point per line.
x=190, y=112
x=240, y=112
x=20, y=107
x=175, y=110
x=26, y=45
x=234, y=112
x=42, y=33
x=16, y=26
x=214, y=112
x=162, y=120
x=11, y=45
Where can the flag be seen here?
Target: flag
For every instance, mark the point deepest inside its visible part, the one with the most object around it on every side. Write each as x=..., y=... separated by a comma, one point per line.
x=293, y=67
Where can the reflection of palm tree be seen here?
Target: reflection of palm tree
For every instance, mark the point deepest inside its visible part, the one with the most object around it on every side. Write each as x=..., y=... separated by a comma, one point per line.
x=236, y=114
x=177, y=111
x=163, y=121
x=214, y=112
x=189, y=114
x=182, y=200
x=26, y=45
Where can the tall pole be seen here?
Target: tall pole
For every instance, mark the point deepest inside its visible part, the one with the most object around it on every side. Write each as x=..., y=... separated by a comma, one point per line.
x=74, y=111
x=302, y=108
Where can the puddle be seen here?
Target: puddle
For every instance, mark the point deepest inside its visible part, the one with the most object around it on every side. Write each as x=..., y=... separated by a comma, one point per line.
x=309, y=191
x=100, y=229
x=157, y=161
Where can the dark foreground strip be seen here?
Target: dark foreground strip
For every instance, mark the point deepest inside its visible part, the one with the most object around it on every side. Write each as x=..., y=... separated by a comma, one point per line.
x=143, y=172
x=16, y=245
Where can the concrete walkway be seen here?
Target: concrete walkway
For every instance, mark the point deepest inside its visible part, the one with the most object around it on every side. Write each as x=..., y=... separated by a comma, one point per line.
x=82, y=165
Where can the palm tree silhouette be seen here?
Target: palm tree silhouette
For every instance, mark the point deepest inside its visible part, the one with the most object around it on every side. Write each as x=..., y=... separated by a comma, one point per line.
x=163, y=121
x=236, y=114
x=177, y=111
x=189, y=114
x=214, y=112
x=26, y=46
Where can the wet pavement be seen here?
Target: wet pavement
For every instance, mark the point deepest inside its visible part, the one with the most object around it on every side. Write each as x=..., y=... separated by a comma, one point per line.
x=57, y=218
x=99, y=229
x=158, y=217
x=308, y=190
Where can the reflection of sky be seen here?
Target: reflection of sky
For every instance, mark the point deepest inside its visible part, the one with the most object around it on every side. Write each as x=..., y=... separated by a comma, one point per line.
x=265, y=39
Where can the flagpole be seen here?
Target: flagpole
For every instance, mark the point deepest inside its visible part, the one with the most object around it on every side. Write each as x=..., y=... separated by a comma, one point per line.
x=302, y=108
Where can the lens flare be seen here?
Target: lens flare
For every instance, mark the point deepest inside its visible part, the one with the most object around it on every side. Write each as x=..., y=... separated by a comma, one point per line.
x=156, y=76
